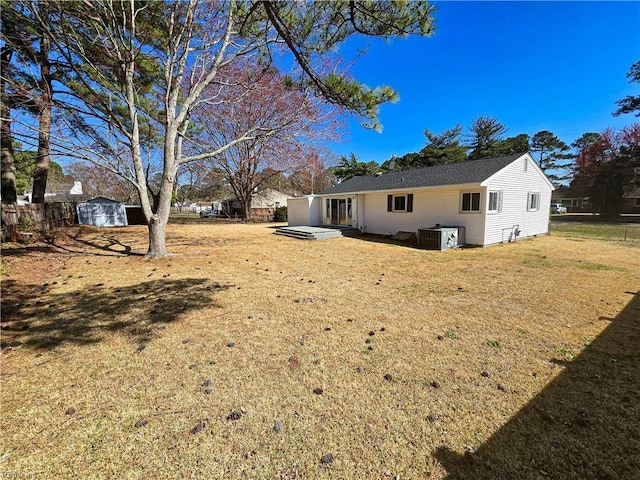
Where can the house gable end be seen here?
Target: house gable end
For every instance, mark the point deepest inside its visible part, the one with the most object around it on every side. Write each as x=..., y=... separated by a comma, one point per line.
x=531, y=163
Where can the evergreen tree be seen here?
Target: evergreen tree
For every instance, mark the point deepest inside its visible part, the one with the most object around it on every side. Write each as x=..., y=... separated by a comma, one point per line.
x=8, y=174
x=404, y=162
x=484, y=137
x=350, y=167
x=29, y=74
x=443, y=148
x=630, y=103
x=512, y=145
x=13, y=39
x=585, y=140
x=552, y=155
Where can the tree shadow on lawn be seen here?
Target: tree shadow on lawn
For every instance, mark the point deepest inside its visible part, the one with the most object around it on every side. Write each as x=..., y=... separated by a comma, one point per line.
x=584, y=425
x=99, y=242
x=27, y=249
x=75, y=240
x=103, y=241
x=44, y=321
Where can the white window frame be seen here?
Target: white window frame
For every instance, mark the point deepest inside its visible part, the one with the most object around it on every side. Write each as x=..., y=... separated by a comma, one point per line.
x=496, y=205
x=533, y=202
x=471, y=209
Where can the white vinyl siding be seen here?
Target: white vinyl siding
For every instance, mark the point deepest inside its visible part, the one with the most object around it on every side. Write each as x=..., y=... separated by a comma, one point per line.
x=430, y=207
x=516, y=185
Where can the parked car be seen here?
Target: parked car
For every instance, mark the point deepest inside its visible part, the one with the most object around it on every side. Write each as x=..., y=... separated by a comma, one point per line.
x=207, y=213
x=558, y=208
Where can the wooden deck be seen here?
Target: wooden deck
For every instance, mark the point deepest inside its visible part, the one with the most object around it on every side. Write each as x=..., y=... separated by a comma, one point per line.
x=315, y=233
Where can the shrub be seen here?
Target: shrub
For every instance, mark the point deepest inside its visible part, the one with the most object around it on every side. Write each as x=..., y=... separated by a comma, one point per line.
x=280, y=214
x=25, y=223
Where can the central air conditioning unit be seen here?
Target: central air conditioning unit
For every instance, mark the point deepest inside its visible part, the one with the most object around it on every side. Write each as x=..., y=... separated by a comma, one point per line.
x=441, y=238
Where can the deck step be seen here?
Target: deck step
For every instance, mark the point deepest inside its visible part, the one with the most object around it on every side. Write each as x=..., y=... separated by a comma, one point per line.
x=309, y=233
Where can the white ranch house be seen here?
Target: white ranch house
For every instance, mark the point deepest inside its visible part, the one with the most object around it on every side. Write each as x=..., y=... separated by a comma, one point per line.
x=497, y=200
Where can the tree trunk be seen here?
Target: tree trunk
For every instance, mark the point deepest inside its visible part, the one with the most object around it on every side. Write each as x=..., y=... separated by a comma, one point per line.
x=158, y=223
x=43, y=163
x=162, y=203
x=246, y=207
x=8, y=187
x=157, y=239
x=608, y=191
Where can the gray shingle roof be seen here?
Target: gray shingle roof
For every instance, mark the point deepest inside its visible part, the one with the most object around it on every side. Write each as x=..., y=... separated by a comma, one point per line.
x=471, y=171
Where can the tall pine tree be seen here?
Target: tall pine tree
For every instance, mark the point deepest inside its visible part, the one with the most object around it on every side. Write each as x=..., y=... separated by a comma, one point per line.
x=443, y=148
x=484, y=138
x=630, y=103
x=552, y=155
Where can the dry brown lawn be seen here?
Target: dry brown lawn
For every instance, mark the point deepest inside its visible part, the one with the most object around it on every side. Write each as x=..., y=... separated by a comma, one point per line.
x=251, y=355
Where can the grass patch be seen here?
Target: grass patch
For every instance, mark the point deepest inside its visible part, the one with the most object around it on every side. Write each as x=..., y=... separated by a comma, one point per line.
x=536, y=260
x=609, y=232
x=565, y=352
x=251, y=355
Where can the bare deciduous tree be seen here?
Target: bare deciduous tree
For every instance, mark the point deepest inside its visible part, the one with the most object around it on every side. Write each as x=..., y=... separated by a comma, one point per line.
x=286, y=122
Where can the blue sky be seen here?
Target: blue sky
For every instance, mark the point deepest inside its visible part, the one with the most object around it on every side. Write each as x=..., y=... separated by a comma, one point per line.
x=557, y=66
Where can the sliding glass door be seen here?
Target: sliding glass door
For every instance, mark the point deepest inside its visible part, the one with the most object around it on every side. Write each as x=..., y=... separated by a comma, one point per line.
x=339, y=211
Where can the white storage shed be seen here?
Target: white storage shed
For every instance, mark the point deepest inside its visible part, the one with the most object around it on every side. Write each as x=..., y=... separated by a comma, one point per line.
x=102, y=212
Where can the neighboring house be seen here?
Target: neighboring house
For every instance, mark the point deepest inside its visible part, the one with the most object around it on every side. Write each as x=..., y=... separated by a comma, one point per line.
x=576, y=199
x=63, y=192
x=495, y=199
x=263, y=204
x=632, y=202
x=203, y=206
x=102, y=212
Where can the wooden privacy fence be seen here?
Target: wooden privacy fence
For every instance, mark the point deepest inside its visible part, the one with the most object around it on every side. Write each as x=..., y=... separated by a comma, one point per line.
x=43, y=217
